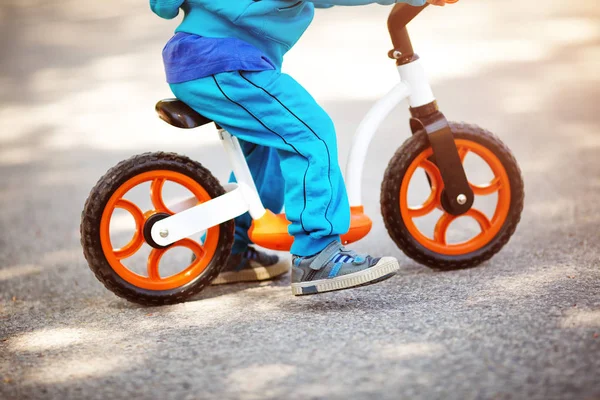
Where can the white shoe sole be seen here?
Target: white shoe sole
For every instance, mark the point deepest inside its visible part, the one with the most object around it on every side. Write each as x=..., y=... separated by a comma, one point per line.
x=255, y=274
x=386, y=266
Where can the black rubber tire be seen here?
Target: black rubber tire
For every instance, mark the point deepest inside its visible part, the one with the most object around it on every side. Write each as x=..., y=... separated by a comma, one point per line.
x=390, y=199
x=99, y=197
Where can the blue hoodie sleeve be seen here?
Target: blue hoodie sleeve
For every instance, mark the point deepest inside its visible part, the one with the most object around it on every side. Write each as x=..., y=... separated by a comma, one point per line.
x=167, y=9
x=320, y=3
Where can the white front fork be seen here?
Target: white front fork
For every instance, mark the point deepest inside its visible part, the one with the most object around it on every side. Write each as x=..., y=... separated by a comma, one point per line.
x=414, y=86
x=243, y=196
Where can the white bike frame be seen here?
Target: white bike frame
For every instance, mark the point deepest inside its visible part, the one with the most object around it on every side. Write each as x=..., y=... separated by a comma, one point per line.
x=190, y=219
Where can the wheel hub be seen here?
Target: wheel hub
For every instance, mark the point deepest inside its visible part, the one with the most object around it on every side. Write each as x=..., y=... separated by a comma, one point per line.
x=153, y=219
x=461, y=199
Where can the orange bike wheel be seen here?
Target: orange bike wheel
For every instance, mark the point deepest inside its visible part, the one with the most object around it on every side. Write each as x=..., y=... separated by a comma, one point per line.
x=153, y=281
x=434, y=250
x=107, y=261
x=489, y=228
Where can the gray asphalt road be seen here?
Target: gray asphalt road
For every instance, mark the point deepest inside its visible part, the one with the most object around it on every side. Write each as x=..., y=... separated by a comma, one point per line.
x=78, y=82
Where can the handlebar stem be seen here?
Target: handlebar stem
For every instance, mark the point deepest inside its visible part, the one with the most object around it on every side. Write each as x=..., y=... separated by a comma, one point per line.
x=400, y=16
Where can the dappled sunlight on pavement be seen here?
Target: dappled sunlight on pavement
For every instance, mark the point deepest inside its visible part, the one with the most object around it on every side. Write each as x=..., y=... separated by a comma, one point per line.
x=581, y=318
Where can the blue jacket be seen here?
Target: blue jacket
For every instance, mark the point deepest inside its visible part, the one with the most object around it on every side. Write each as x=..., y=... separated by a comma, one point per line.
x=272, y=26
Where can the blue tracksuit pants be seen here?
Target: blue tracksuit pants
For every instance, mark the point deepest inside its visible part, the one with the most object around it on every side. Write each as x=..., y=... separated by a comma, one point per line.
x=291, y=148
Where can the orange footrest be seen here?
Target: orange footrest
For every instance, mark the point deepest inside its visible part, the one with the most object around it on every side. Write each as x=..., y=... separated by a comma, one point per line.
x=271, y=231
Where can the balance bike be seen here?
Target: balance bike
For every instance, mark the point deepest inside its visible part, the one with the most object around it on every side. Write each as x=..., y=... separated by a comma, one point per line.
x=202, y=222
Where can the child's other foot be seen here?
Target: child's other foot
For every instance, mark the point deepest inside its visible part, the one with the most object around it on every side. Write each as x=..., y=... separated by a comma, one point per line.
x=336, y=268
x=252, y=266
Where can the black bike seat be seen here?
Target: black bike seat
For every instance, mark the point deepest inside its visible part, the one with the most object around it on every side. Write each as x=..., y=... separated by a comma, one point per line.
x=179, y=114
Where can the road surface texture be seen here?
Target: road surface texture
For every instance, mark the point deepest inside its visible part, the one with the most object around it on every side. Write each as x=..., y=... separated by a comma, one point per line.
x=78, y=82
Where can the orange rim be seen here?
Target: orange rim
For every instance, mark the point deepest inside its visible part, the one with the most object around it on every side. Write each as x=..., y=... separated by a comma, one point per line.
x=204, y=252
x=489, y=228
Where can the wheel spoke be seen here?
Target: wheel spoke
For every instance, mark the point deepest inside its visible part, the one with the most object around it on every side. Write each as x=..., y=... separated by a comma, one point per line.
x=134, y=210
x=192, y=245
x=156, y=195
x=431, y=169
x=154, y=262
x=433, y=201
x=138, y=240
x=130, y=248
x=428, y=206
x=484, y=190
x=483, y=221
x=441, y=228
x=157, y=254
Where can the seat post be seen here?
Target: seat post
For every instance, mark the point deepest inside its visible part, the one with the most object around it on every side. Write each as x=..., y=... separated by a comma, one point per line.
x=242, y=174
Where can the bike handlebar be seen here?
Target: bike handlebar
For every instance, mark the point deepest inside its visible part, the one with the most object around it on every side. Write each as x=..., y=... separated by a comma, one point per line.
x=401, y=15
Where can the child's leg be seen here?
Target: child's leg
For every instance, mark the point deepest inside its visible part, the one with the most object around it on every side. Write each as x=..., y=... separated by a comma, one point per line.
x=271, y=109
x=264, y=166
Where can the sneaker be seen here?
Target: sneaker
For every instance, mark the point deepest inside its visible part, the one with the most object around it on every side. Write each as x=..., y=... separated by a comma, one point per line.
x=337, y=268
x=252, y=266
